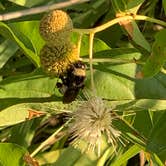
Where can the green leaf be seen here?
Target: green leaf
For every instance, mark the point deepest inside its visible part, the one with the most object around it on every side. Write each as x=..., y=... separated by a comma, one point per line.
x=156, y=160
x=143, y=117
x=27, y=3
x=115, y=78
x=48, y=157
x=119, y=6
x=74, y=156
x=88, y=18
x=70, y=155
x=117, y=87
x=26, y=35
x=131, y=27
x=13, y=115
x=138, y=37
x=134, y=5
x=25, y=131
x=98, y=45
x=131, y=152
x=127, y=6
x=11, y=154
x=111, y=35
x=26, y=88
x=21, y=112
x=164, y=5
x=158, y=56
x=138, y=105
x=31, y=85
x=7, y=50
x=1, y=6
x=156, y=142
x=108, y=152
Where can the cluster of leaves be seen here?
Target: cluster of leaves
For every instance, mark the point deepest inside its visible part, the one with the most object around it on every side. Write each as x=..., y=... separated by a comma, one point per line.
x=27, y=92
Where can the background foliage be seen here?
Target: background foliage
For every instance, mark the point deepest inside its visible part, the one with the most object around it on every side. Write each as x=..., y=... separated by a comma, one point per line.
x=131, y=79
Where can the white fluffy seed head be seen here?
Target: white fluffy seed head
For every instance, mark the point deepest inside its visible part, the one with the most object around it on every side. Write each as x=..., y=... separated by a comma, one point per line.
x=91, y=120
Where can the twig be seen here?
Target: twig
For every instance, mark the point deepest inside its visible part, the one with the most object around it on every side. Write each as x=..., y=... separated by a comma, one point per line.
x=117, y=20
x=91, y=37
x=115, y=60
x=37, y=10
x=79, y=44
x=46, y=142
x=142, y=158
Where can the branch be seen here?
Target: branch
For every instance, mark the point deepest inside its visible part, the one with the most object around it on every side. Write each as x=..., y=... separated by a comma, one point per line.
x=91, y=38
x=49, y=139
x=117, y=20
x=37, y=10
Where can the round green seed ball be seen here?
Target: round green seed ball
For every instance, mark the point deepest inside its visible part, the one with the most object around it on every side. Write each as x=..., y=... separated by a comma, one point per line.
x=55, y=27
x=55, y=60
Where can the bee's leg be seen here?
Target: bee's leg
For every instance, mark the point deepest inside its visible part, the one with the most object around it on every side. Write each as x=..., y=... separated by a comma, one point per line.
x=64, y=79
x=58, y=85
x=62, y=88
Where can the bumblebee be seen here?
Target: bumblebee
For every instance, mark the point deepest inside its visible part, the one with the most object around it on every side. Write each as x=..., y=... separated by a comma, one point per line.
x=72, y=81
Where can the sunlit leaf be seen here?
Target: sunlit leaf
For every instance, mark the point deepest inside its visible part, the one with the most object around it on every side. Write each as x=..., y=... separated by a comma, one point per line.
x=11, y=154
x=27, y=3
x=99, y=45
x=156, y=142
x=7, y=50
x=31, y=85
x=118, y=77
x=132, y=151
x=164, y=5
x=94, y=11
x=158, y=56
x=127, y=6
x=28, y=38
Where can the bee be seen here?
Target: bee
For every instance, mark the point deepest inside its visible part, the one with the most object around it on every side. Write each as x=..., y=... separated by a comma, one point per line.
x=72, y=81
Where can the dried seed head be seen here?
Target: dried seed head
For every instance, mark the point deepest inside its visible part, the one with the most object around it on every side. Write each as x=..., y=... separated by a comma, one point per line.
x=91, y=120
x=56, y=59
x=56, y=27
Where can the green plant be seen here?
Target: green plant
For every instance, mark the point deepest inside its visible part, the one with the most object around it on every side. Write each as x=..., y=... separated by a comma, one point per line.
x=125, y=70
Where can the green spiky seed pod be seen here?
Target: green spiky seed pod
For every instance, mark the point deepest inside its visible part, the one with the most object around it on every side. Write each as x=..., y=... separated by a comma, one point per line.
x=55, y=27
x=56, y=59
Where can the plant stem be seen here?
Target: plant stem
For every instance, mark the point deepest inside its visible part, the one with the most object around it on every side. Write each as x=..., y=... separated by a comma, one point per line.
x=153, y=20
x=104, y=26
x=112, y=60
x=117, y=20
x=48, y=140
x=37, y=10
x=79, y=44
x=91, y=37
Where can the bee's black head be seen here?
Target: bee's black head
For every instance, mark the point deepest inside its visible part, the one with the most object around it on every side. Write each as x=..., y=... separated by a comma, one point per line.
x=79, y=65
